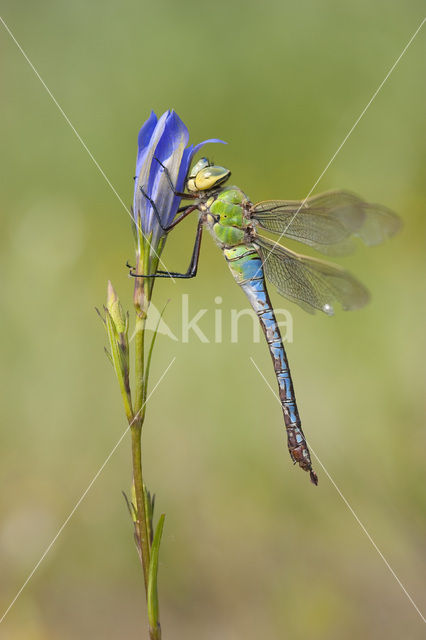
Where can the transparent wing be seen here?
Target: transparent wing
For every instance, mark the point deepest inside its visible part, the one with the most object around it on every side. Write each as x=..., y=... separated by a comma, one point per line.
x=311, y=283
x=327, y=222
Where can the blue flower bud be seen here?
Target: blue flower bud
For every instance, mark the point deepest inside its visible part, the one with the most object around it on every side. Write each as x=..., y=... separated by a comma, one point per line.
x=163, y=139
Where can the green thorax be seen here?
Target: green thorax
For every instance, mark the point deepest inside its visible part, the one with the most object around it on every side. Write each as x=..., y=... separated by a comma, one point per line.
x=229, y=230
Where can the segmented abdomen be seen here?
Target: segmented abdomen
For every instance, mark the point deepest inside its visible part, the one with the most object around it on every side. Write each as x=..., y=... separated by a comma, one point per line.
x=247, y=269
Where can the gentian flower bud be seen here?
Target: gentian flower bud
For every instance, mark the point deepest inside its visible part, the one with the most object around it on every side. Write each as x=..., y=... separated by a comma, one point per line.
x=115, y=309
x=164, y=139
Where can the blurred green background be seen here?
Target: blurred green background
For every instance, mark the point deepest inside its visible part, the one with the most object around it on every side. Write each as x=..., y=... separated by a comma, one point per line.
x=250, y=548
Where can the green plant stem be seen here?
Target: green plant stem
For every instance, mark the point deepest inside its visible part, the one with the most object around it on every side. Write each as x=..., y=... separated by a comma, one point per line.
x=140, y=500
x=141, y=300
x=142, y=297
x=152, y=600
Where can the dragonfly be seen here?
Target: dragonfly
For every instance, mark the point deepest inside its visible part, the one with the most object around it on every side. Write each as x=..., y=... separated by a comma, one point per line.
x=330, y=223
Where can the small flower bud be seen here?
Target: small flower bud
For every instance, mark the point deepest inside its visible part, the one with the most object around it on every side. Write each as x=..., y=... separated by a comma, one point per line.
x=115, y=310
x=116, y=325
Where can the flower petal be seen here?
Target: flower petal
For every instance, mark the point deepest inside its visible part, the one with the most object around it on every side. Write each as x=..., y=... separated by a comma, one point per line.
x=200, y=145
x=141, y=207
x=144, y=137
x=146, y=131
x=171, y=145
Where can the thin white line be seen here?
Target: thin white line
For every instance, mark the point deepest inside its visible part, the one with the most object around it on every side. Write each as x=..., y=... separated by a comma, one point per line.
x=347, y=136
x=92, y=482
x=350, y=508
x=79, y=138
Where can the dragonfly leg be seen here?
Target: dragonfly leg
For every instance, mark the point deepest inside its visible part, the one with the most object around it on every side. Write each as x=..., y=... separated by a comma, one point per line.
x=180, y=194
x=193, y=265
x=186, y=211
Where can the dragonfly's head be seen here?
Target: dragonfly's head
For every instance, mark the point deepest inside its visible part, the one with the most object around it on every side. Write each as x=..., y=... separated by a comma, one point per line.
x=205, y=176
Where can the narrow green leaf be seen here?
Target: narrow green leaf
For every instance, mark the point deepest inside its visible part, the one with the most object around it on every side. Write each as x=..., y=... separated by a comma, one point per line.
x=130, y=507
x=152, y=576
x=100, y=315
x=149, y=512
x=132, y=511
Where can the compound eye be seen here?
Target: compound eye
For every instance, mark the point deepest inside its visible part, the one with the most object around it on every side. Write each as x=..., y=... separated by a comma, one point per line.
x=205, y=179
x=199, y=166
x=210, y=177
